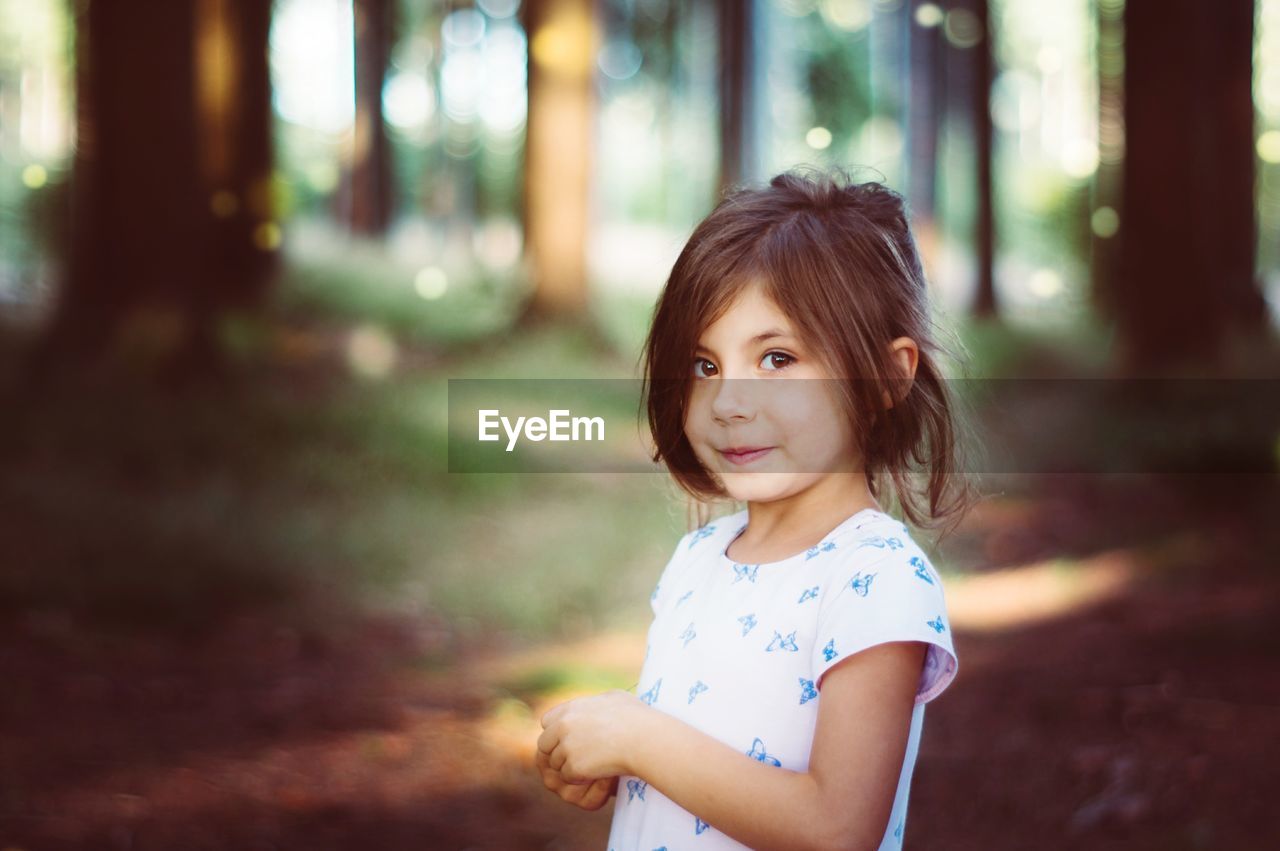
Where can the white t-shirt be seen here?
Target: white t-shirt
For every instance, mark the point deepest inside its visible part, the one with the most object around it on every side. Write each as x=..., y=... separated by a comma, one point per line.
x=738, y=651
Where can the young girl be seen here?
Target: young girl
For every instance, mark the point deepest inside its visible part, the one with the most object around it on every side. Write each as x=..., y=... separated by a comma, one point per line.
x=795, y=643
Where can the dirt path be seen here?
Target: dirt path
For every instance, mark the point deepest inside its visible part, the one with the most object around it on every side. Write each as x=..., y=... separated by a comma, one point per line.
x=1117, y=704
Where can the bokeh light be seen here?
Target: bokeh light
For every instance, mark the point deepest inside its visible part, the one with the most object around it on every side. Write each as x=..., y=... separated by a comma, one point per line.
x=818, y=138
x=1105, y=222
x=929, y=15
x=371, y=351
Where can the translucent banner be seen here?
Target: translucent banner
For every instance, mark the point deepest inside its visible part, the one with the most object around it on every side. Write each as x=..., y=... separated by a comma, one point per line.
x=1215, y=426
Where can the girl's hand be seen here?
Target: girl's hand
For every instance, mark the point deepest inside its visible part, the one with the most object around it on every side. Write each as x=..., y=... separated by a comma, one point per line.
x=590, y=737
x=588, y=796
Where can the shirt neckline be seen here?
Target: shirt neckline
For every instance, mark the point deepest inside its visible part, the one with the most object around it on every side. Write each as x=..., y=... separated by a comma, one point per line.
x=724, y=550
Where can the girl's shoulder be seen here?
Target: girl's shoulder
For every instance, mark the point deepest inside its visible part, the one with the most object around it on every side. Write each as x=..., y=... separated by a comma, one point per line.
x=872, y=522
x=870, y=536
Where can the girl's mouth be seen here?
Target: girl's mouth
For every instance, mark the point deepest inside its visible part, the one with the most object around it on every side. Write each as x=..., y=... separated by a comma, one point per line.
x=745, y=454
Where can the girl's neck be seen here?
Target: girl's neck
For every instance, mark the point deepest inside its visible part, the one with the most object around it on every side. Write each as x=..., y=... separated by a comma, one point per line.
x=781, y=528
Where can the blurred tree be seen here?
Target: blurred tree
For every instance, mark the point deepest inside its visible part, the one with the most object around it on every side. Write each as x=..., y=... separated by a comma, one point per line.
x=1106, y=186
x=926, y=97
x=1186, y=279
x=173, y=211
x=365, y=200
x=736, y=97
x=563, y=36
x=984, y=304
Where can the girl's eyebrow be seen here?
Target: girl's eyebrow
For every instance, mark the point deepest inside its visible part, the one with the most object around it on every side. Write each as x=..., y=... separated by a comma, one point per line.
x=772, y=333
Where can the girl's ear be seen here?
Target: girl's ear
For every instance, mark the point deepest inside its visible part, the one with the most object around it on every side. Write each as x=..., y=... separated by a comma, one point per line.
x=905, y=356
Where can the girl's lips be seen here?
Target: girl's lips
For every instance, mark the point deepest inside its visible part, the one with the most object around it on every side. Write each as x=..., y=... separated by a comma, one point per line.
x=747, y=457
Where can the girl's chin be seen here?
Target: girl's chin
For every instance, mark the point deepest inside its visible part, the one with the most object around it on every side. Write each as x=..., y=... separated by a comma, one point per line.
x=745, y=487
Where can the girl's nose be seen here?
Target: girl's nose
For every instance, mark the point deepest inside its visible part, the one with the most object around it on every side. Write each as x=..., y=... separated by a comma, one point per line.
x=734, y=399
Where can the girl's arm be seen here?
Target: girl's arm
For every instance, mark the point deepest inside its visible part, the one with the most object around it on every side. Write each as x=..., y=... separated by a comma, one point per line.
x=842, y=802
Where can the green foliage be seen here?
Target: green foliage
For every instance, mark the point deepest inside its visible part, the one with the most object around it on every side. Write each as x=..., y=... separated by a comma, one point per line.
x=837, y=80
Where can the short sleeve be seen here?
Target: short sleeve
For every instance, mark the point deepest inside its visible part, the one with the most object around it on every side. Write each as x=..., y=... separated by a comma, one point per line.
x=883, y=596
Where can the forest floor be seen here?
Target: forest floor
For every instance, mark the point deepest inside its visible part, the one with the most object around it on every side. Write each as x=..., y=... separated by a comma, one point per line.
x=1127, y=702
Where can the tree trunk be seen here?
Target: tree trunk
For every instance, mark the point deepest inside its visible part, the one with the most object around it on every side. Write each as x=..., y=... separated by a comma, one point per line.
x=1188, y=234
x=558, y=157
x=366, y=198
x=925, y=103
x=172, y=216
x=241, y=191
x=984, y=304
x=736, y=22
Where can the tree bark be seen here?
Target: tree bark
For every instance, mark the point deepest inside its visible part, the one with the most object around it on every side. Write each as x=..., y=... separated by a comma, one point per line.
x=736, y=23
x=171, y=189
x=984, y=304
x=925, y=105
x=563, y=40
x=367, y=195
x=1186, y=279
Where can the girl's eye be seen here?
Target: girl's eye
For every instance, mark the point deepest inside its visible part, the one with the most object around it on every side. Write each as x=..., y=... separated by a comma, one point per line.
x=696, y=362
x=769, y=359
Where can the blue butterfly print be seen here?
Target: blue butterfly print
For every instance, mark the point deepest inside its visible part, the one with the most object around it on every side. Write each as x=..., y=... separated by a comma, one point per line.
x=748, y=622
x=651, y=696
x=897, y=833
x=745, y=571
x=635, y=787
x=807, y=691
x=654, y=595
x=937, y=625
x=809, y=594
x=825, y=547
x=780, y=643
x=699, y=825
x=829, y=652
x=700, y=534
x=921, y=570
x=698, y=688
x=757, y=752
x=684, y=597
x=861, y=584
x=688, y=634
x=881, y=543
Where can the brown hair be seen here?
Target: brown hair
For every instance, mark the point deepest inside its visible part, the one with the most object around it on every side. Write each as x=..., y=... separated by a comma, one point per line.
x=839, y=259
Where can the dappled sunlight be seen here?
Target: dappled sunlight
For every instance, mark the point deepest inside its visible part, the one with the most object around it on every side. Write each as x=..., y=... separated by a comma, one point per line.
x=622, y=650
x=1023, y=596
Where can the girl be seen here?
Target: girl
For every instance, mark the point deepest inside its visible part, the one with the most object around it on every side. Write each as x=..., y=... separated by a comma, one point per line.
x=790, y=365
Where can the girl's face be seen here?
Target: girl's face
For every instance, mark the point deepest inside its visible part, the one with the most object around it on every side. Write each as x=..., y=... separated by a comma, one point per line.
x=748, y=394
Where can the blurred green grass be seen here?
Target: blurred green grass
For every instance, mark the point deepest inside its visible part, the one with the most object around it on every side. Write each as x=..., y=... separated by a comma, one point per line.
x=129, y=506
